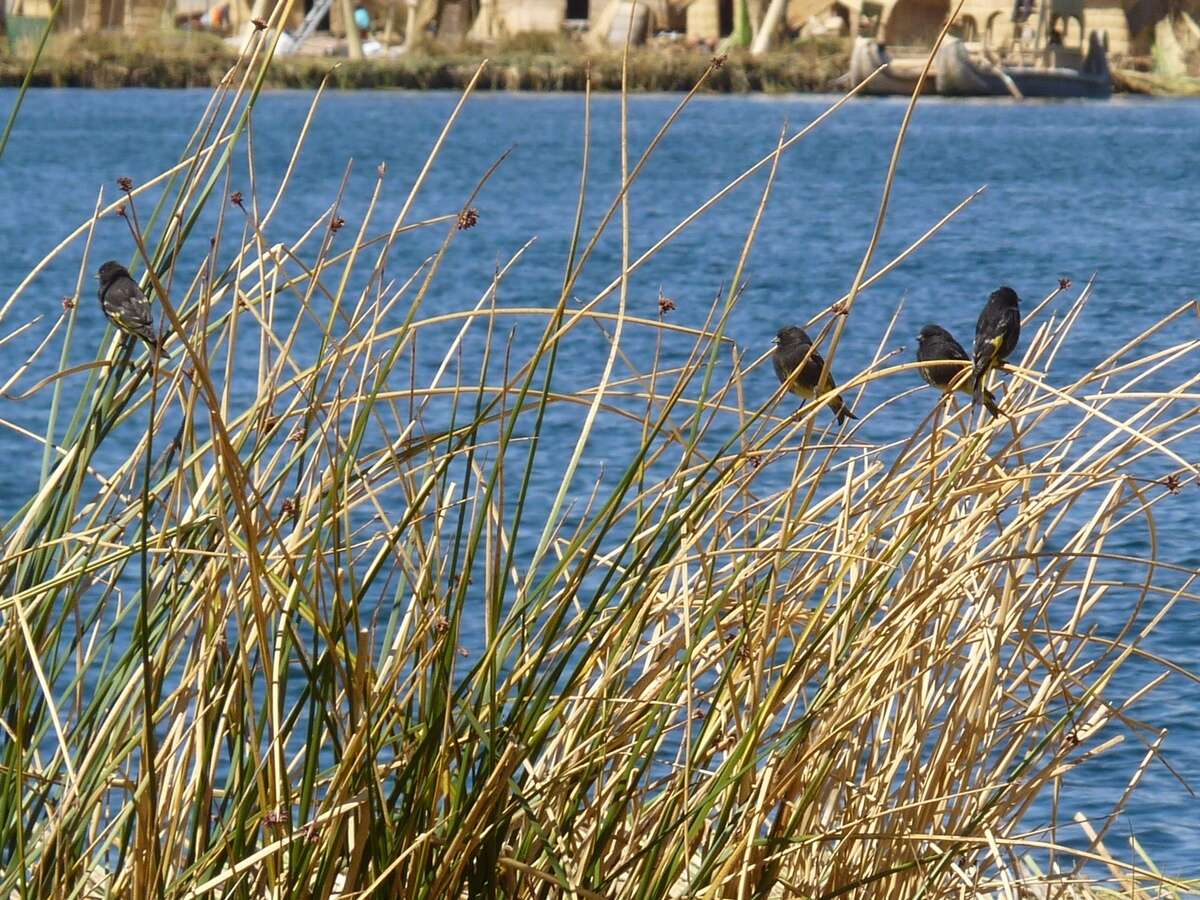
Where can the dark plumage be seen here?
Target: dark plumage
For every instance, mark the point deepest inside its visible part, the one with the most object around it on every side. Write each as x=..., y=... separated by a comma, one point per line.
x=124, y=303
x=936, y=343
x=996, y=334
x=793, y=346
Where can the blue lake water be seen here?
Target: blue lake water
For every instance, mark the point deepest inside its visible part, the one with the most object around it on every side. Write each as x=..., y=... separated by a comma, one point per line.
x=1073, y=190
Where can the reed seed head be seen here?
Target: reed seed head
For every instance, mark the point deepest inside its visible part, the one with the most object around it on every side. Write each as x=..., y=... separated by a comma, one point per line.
x=468, y=219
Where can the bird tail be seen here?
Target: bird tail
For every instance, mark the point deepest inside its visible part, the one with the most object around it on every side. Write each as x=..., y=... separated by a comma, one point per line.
x=841, y=410
x=989, y=401
x=977, y=388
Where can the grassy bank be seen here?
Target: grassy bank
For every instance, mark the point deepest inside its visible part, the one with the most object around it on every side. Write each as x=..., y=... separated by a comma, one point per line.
x=363, y=627
x=198, y=60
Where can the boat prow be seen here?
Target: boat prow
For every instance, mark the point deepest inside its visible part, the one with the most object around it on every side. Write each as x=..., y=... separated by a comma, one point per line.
x=956, y=72
x=895, y=79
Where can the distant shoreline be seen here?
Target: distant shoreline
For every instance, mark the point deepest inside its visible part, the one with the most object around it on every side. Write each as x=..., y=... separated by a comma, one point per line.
x=189, y=61
x=177, y=60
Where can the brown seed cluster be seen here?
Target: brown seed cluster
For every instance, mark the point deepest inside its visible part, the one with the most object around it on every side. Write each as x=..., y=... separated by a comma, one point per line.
x=665, y=304
x=237, y=200
x=468, y=219
x=125, y=183
x=1172, y=483
x=441, y=626
x=68, y=302
x=259, y=24
x=336, y=223
x=719, y=61
x=1064, y=283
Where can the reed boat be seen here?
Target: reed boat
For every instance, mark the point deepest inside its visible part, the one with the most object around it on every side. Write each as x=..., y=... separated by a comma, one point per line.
x=961, y=74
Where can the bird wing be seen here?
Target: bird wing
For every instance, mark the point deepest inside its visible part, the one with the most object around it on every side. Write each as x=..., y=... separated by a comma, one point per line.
x=804, y=381
x=812, y=372
x=1012, y=332
x=126, y=303
x=996, y=334
x=940, y=371
x=989, y=336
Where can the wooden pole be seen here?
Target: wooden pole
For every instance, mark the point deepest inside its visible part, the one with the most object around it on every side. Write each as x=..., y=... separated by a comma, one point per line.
x=353, y=41
x=410, y=25
x=770, y=24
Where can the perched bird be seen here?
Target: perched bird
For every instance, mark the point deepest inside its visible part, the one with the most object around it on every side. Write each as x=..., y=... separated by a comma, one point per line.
x=996, y=334
x=935, y=344
x=794, y=346
x=124, y=303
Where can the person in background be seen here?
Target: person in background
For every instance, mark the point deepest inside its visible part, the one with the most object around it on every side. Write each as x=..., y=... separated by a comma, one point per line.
x=362, y=21
x=216, y=18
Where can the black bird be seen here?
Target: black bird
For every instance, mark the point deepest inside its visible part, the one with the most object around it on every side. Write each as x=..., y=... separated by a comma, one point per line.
x=996, y=334
x=935, y=343
x=794, y=346
x=124, y=303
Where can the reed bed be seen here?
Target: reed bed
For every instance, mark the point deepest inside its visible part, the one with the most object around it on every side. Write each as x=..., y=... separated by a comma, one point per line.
x=338, y=625
x=182, y=60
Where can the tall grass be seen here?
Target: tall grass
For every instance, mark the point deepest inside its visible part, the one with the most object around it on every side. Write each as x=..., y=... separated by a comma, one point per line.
x=760, y=657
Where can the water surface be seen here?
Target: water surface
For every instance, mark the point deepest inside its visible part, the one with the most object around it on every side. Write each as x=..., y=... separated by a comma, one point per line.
x=1073, y=190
